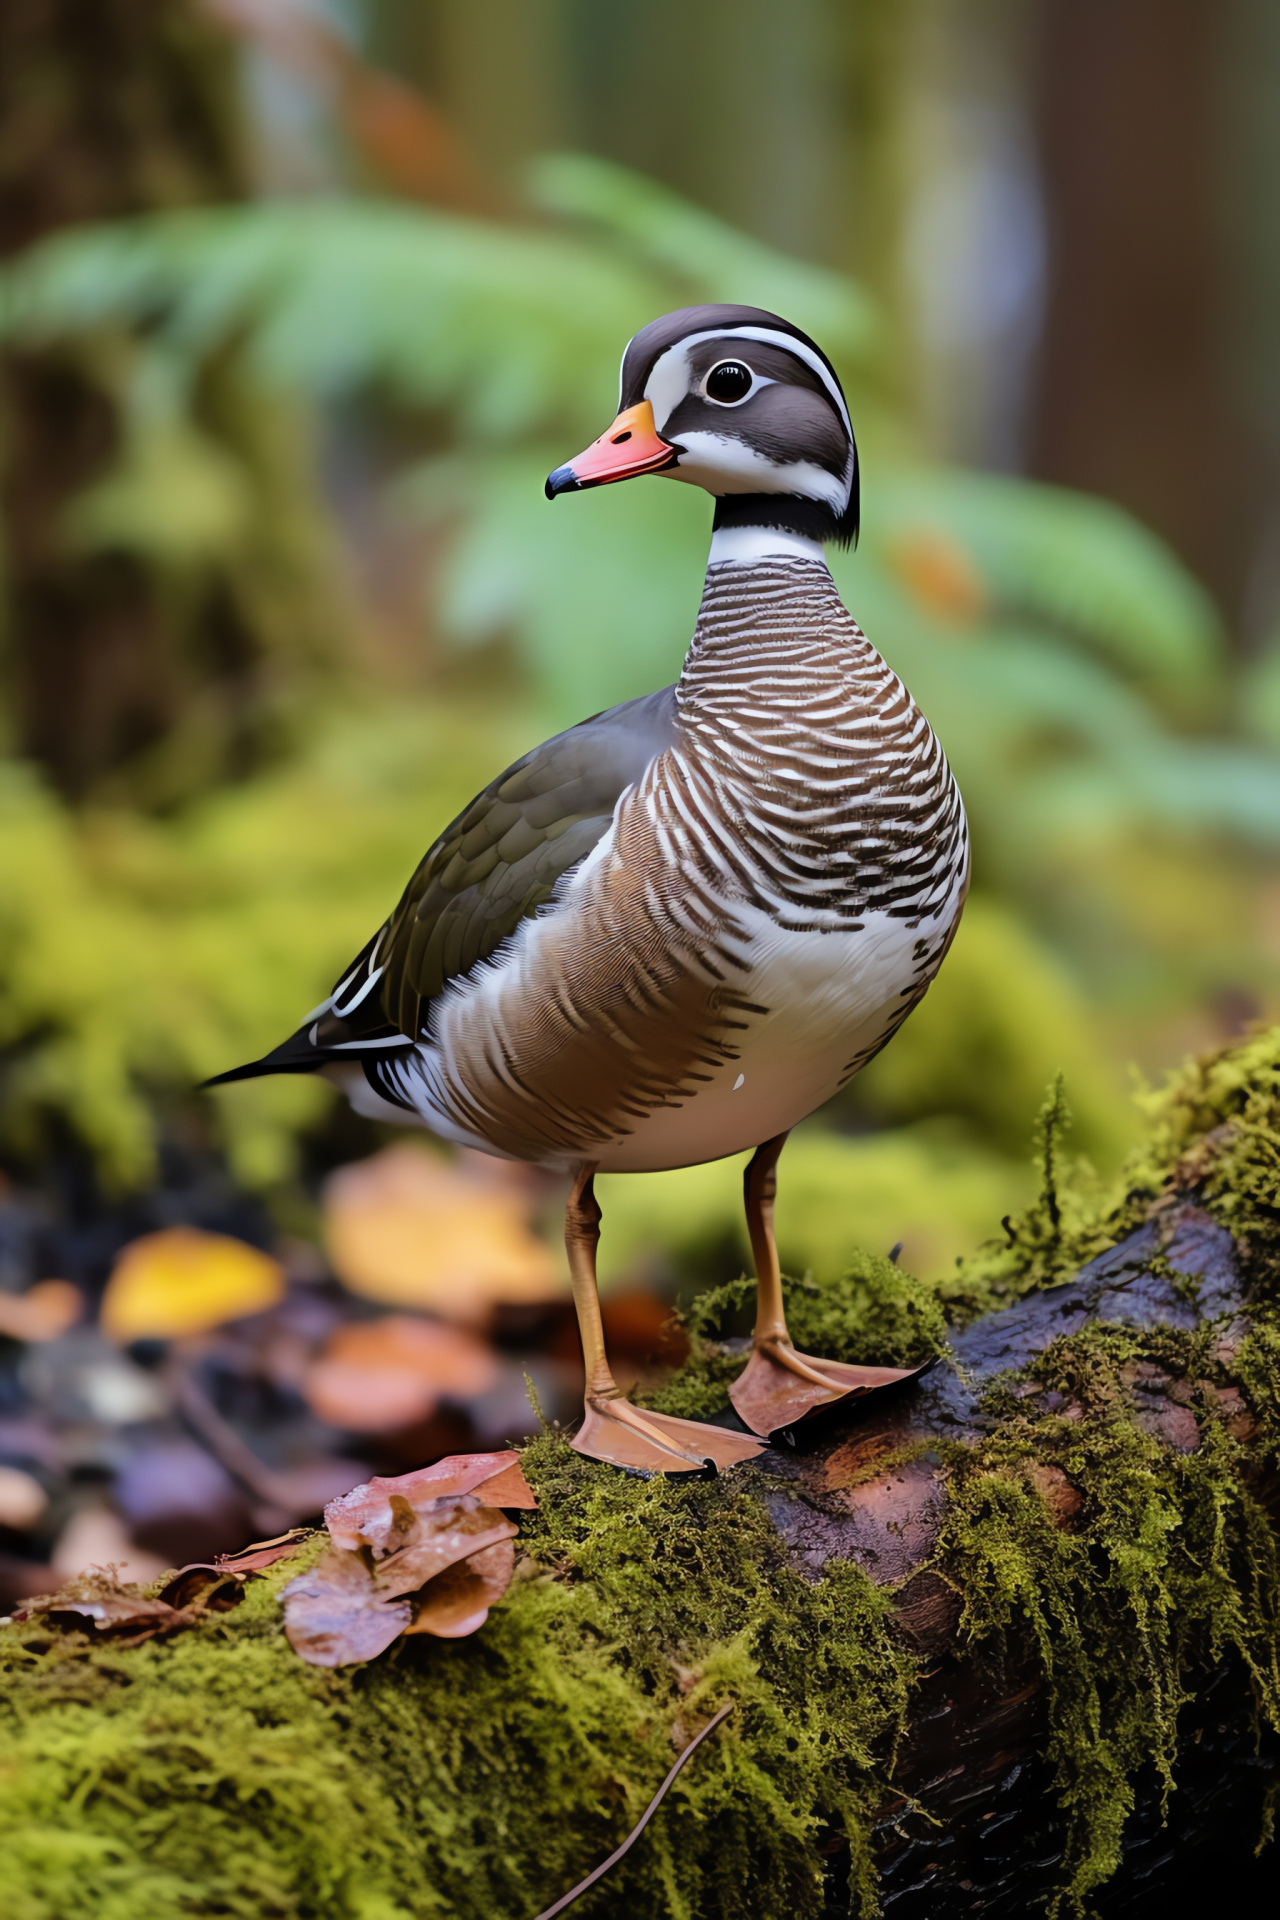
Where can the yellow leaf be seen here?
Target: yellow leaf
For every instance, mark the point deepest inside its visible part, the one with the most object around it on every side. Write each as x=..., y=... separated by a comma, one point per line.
x=184, y=1281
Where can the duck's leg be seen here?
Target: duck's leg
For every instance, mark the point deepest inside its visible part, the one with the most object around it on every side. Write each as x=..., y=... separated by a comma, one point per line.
x=612, y=1429
x=779, y=1385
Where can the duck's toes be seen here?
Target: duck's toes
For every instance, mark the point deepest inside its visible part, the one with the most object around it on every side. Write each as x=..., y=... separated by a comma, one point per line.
x=780, y=1386
x=626, y=1436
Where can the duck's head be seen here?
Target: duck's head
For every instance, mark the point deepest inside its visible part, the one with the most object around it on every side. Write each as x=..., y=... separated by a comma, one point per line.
x=740, y=402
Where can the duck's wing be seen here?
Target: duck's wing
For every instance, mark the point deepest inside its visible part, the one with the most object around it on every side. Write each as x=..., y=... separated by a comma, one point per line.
x=494, y=866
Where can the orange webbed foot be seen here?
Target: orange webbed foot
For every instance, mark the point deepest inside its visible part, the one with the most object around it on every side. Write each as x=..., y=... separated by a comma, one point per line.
x=614, y=1431
x=781, y=1386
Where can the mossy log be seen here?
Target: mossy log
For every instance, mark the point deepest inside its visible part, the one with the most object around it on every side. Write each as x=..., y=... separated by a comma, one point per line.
x=975, y=1633
x=876, y=1492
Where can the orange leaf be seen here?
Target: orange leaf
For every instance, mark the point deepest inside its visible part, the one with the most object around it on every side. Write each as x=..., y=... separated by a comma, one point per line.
x=333, y=1617
x=380, y=1514
x=41, y=1313
x=408, y=1227
x=939, y=574
x=377, y=1375
x=457, y=1601
x=430, y=1536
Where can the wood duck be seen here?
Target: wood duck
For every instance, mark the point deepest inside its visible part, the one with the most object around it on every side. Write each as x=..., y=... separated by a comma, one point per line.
x=673, y=931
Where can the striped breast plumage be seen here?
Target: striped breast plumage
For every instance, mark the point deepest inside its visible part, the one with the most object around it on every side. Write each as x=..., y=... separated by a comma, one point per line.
x=772, y=896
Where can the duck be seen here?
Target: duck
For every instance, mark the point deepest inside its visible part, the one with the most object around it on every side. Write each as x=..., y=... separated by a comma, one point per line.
x=670, y=933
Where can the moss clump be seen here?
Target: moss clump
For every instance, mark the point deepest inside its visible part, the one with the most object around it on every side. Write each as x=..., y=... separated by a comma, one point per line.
x=1213, y=1131
x=215, y=1774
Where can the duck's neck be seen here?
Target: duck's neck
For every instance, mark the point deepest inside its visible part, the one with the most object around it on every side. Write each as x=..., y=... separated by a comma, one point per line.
x=747, y=546
x=773, y=633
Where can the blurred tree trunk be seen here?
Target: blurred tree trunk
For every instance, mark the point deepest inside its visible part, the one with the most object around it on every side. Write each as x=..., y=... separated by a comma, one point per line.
x=114, y=107
x=1134, y=394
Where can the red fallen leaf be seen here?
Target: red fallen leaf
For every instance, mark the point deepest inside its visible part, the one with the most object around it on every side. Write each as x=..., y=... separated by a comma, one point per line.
x=442, y=1557
x=250, y=1559
x=261, y=1553
x=379, y=1513
x=457, y=1601
x=218, y=1584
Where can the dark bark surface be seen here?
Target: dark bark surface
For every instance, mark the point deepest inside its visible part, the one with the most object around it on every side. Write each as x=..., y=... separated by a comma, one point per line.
x=990, y=1838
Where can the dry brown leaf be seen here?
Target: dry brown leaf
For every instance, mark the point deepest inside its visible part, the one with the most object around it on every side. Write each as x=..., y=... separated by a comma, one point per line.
x=410, y=1228
x=380, y=1513
x=333, y=1617
x=182, y=1281
x=99, y=1600
x=450, y=1530
x=457, y=1601
x=377, y=1375
x=441, y=1553
x=260, y=1554
x=228, y=1573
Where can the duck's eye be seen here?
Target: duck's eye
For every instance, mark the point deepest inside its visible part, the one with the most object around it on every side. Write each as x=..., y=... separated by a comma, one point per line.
x=729, y=381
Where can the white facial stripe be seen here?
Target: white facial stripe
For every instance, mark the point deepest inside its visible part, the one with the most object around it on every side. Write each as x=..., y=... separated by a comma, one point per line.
x=770, y=337
x=724, y=464
x=669, y=381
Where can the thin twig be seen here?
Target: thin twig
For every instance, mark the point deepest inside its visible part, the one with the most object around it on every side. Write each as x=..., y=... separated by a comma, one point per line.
x=576, y=1893
x=225, y=1444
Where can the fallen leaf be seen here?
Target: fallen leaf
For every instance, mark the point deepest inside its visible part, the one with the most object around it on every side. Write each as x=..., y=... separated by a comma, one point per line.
x=97, y=1537
x=379, y=1513
x=203, y=1590
x=448, y=1531
x=220, y=1582
x=22, y=1499
x=377, y=1375
x=413, y=1229
x=457, y=1601
x=43, y=1312
x=441, y=1553
x=182, y=1281
x=333, y=1617
x=261, y=1553
x=99, y=1599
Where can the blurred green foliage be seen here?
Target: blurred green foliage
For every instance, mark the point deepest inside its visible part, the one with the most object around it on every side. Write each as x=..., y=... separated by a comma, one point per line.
x=1073, y=670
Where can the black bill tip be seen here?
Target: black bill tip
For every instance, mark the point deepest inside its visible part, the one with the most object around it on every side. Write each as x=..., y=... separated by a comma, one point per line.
x=563, y=480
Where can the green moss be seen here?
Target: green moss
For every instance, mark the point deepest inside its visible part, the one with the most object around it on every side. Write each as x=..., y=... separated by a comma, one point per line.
x=215, y=1774
x=875, y=1314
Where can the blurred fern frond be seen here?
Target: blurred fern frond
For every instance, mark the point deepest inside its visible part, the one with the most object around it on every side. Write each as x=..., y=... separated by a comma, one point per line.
x=715, y=261
x=1082, y=566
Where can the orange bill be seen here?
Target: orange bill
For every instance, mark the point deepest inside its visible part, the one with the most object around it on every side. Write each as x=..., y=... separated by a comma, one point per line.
x=632, y=445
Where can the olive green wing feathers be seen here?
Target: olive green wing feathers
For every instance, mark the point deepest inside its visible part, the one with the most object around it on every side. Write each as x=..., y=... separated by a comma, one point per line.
x=494, y=866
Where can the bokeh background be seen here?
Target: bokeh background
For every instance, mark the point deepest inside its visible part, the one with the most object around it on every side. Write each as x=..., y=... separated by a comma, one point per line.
x=298, y=305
